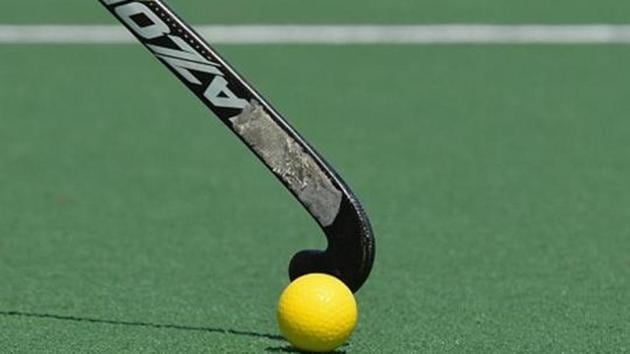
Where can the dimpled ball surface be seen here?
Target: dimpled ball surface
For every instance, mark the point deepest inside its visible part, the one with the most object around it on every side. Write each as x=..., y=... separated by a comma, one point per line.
x=317, y=312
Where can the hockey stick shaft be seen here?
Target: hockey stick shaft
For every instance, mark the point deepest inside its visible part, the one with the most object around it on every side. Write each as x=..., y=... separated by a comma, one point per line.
x=297, y=165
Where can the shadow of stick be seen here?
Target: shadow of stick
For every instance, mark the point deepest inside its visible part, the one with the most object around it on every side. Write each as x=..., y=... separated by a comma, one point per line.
x=140, y=324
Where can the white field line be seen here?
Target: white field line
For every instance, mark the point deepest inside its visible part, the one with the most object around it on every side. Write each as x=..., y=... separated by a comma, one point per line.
x=336, y=34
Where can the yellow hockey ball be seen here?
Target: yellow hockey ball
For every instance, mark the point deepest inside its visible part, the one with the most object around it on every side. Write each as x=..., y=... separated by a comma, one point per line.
x=317, y=313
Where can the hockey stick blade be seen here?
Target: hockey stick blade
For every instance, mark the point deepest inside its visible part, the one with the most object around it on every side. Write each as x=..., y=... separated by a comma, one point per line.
x=350, y=252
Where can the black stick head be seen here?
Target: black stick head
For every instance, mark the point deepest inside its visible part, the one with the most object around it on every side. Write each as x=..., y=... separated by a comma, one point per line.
x=350, y=252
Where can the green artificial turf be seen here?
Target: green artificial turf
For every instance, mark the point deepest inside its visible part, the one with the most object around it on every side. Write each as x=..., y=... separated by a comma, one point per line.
x=496, y=178
x=334, y=11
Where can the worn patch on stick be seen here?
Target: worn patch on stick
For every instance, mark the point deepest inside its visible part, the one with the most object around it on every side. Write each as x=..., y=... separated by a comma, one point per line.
x=288, y=160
